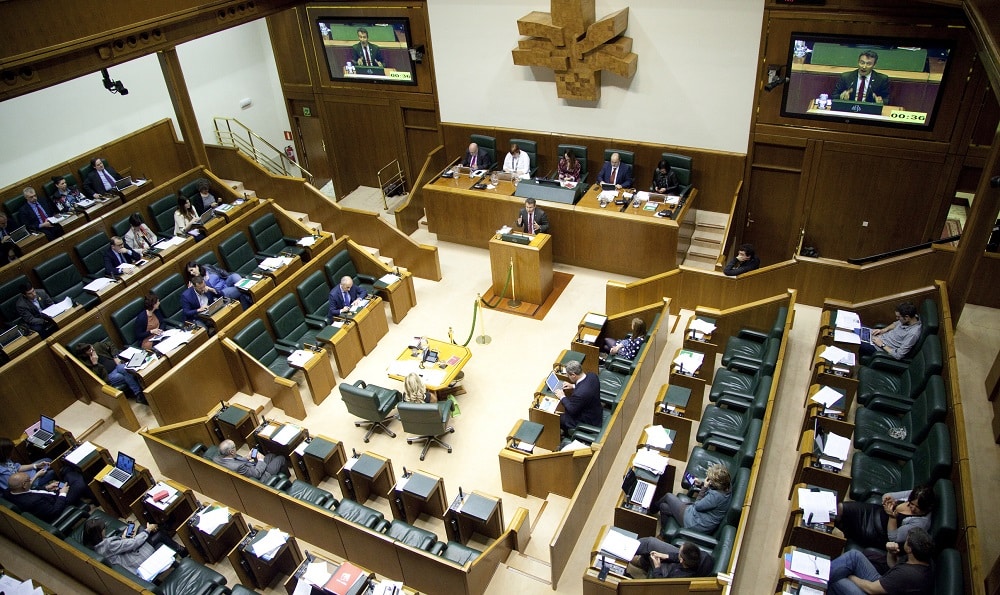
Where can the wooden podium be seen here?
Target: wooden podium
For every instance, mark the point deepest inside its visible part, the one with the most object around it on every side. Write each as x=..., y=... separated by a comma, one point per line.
x=532, y=267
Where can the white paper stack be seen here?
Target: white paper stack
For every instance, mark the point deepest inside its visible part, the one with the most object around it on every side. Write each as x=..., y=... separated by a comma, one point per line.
x=58, y=308
x=317, y=573
x=846, y=337
x=650, y=460
x=266, y=547
x=306, y=241
x=299, y=357
x=827, y=396
x=211, y=520
x=98, y=284
x=548, y=404
x=286, y=433
x=619, y=545
x=817, y=505
x=836, y=355
x=689, y=361
x=172, y=339
x=80, y=453
x=592, y=319
x=658, y=437
x=574, y=445
x=701, y=326
x=848, y=320
x=161, y=559
x=389, y=278
x=811, y=565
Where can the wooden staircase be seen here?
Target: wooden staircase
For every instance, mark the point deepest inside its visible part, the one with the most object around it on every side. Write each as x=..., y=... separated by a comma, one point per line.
x=706, y=241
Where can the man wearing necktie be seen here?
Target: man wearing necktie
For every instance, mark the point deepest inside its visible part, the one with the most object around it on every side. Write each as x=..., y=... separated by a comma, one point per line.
x=476, y=158
x=101, y=180
x=29, y=306
x=341, y=298
x=366, y=54
x=118, y=254
x=531, y=219
x=35, y=214
x=864, y=84
x=615, y=172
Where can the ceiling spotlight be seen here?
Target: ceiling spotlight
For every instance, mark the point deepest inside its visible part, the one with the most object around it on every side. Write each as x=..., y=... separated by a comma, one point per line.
x=113, y=86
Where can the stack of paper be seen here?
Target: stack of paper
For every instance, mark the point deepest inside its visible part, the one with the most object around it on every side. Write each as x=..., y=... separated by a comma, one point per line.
x=317, y=573
x=595, y=320
x=689, y=361
x=835, y=451
x=246, y=283
x=701, y=326
x=266, y=547
x=80, y=453
x=175, y=241
x=817, y=505
x=389, y=278
x=807, y=567
x=210, y=520
x=658, y=437
x=650, y=460
x=836, y=355
x=11, y=586
x=619, y=545
x=827, y=396
x=846, y=337
x=58, y=308
x=274, y=263
x=171, y=339
x=548, y=404
x=98, y=284
x=847, y=320
x=574, y=445
x=286, y=433
x=161, y=559
x=307, y=241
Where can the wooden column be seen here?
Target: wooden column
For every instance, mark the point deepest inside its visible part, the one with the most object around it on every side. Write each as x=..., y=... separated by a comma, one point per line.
x=183, y=109
x=976, y=233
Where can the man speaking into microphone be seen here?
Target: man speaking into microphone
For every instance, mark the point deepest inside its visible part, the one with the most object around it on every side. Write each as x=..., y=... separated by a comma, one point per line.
x=864, y=84
x=531, y=219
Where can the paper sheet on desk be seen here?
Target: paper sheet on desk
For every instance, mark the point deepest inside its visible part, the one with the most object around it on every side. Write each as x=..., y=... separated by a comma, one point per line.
x=608, y=195
x=317, y=573
x=161, y=559
x=827, y=396
x=848, y=320
x=689, y=361
x=266, y=547
x=173, y=338
x=701, y=326
x=174, y=241
x=592, y=319
x=619, y=545
x=650, y=460
x=851, y=337
x=209, y=521
x=172, y=494
x=574, y=445
x=299, y=357
x=274, y=263
x=98, y=284
x=658, y=437
x=389, y=278
x=504, y=229
x=817, y=505
x=811, y=565
x=836, y=355
x=58, y=308
x=286, y=433
x=128, y=353
x=11, y=586
x=673, y=199
x=80, y=453
x=837, y=447
x=306, y=241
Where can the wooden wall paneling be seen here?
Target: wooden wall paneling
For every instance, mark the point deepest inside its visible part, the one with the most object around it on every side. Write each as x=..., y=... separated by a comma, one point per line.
x=986, y=294
x=175, y=402
x=29, y=384
x=288, y=39
x=362, y=136
x=421, y=135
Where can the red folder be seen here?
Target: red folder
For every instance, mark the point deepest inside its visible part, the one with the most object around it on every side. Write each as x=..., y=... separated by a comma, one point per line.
x=345, y=578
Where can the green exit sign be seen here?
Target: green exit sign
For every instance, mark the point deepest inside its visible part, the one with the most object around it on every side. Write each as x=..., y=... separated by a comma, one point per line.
x=307, y=112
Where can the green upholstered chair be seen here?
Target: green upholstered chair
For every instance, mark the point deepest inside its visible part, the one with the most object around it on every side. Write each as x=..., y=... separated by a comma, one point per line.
x=161, y=215
x=930, y=322
x=531, y=148
x=406, y=533
x=682, y=165
x=191, y=578
x=578, y=151
x=303, y=490
x=269, y=239
x=373, y=404
x=486, y=143
x=290, y=325
x=730, y=417
x=86, y=169
x=120, y=227
x=944, y=519
x=901, y=422
x=90, y=252
x=10, y=290
x=50, y=186
x=314, y=293
x=888, y=469
x=717, y=450
x=256, y=341
x=739, y=379
x=124, y=319
x=948, y=573
x=613, y=384
x=190, y=189
x=429, y=421
x=94, y=334
x=169, y=291
x=625, y=156
x=12, y=206
x=674, y=533
x=237, y=255
x=458, y=553
x=751, y=344
x=589, y=434
x=61, y=279
x=208, y=257
x=341, y=265
x=883, y=379
x=360, y=514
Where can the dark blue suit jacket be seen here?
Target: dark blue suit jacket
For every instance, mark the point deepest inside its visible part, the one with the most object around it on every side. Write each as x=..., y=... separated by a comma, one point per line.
x=624, y=174
x=337, y=300
x=111, y=261
x=27, y=214
x=190, y=305
x=584, y=405
x=95, y=185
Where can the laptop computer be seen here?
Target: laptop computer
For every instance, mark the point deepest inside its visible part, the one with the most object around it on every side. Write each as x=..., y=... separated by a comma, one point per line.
x=123, y=183
x=206, y=216
x=552, y=382
x=10, y=335
x=122, y=472
x=136, y=360
x=44, y=433
x=215, y=306
x=607, y=186
x=638, y=491
x=20, y=233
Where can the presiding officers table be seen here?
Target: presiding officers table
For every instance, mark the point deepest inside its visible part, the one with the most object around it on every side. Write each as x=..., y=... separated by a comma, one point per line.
x=596, y=238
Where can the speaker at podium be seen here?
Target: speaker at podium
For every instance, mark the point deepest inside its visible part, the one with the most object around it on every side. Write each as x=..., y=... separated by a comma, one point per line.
x=532, y=259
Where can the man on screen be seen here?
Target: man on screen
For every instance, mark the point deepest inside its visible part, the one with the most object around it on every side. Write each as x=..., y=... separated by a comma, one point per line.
x=864, y=84
x=366, y=54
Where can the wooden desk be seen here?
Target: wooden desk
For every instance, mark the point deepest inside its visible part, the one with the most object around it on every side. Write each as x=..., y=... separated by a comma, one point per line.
x=320, y=458
x=33, y=241
x=532, y=281
x=551, y=430
x=839, y=376
x=232, y=210
x=118, y=501
x=371, y=322
x=476, y=513
x=346, y=347
x=68, y=316
x=234, y=423
x=399, y=293
x=20, y=345
x=809, y=471
x=700, y=342
x=198, y=338
x=257, y=285
x=366, y=476
x=209, y=548
x=173, y=514
x=695, y=382
x=264, y=438
x=791, y=581
x=635, y=518
x=437, y=376
x=319, y=376
x=102, y=206
x=165, y=254
x=26, y=453
x=224, y=316
x=811, y=537
x=262, y=574
x=283, y=272
x=91, y=465
x=420, y=493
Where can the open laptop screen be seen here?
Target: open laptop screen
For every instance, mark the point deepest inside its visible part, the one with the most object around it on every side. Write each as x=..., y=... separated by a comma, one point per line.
x=125, y=463
x=553, y=382
x=47, y=424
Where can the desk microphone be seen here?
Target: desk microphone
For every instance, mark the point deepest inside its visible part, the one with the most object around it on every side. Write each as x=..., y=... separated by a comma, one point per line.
x=354, y=453
x=461, y=496
x=809, y=521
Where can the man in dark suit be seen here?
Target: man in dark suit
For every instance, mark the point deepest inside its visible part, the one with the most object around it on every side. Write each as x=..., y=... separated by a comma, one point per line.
x=476, y=158
x=615, y=172
x=118, y=254
x=101, y=180
x=29, y=306
x=259, y=469
x=36, y=213
x=196, y=298
x=864, y=84
x=531, y=219
x=584, y=405
x=342, y=297
x=664, y=560
x=46, y=504
x=366, y=54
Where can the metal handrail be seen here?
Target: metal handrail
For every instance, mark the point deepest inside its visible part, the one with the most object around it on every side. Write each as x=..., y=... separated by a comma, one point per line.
x=249, y=145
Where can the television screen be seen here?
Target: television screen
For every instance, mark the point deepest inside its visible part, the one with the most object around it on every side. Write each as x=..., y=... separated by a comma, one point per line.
x=375, y=50
x=890, y=82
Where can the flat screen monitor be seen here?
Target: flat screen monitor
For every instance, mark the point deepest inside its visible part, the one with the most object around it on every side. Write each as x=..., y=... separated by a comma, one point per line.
x=902, y=90
x=385, y=58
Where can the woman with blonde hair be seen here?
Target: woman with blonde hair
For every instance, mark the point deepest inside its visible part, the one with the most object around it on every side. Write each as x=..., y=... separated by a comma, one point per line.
x=709, y=507
x=414, y=390
x=630, y=345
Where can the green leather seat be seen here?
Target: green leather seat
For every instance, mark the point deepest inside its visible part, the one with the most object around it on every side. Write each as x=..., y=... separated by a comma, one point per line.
x=739, y=379
x=531, y=148
x=61, y=279
x=120, y=227
x=901, y=422
x=256, y=341
x=751, y=345
x=888, y=469
x=124, y=319
x=589, y=434
x=94, y=334
x=270, y=240
x=948, y=574
x=723, y=552
x=10, y=290
x=429, y=421
x=112, y=524
x=930, y=322
x=50, y=186
x=161, y=215
x=625, y=156
x=903, y=383
x=578, y=151
x=730, y=417
x=341, y=266
x=944, y=519
x=190, y=189
x=674, y=533
x=303, y=490
x=458, y=553
x=91, y=253
x=360, y=514
x=314, y=293
x=486, y=143
x=169, y=291
x=237, y=255
x=191, y=578
x=12, y=206
x=290, y=325
x=411, y=536
x=682, y=165
x=716, y=450
x=612, y=386
x=373, y=404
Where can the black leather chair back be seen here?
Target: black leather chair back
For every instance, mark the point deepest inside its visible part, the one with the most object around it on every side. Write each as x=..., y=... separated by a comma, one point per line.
x=531, y=148
x=161, y=214
x=237, y=255
x=425, y=419
x=314, y=293
x=169, y=291
x=578, y=151
x=124, y=319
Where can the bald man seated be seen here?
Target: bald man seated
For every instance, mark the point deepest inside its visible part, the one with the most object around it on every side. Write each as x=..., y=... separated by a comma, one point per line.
x=476, y=158
x=49, y=501
x=342, y=297
x=254, y=468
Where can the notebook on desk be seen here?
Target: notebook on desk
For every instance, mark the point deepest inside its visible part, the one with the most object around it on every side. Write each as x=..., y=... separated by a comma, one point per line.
x=43, y=435
x=10, y=335
x=122, y=472
x=19, y=234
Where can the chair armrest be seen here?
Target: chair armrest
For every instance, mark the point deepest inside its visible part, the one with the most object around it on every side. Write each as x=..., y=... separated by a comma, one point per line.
x=883, y=449
x=739, y=364
x=705, y=541
x=891, y=444
x=888, y=364
x=737, y=402
x=380, y=526
x=734, y=438
x=722, y=444
x=284, y=349
x=752, y=335
x=746, y=397
x=620, y=365
x=366, y=278
x=438, y=548
x=890, y=404
x=199, y=449
x=285, y=343
x=316, y=318
x=314, y=323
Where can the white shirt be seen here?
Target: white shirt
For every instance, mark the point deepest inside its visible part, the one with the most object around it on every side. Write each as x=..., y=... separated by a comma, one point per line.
x=519, y=165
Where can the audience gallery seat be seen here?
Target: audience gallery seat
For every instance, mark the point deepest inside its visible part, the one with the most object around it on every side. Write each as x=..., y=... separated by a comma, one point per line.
x=90, y=252
x=341, y=266
x=61, y=279
x=682, y=165
x=898, y=422
x=237, y=255
x=373, y=404
x=429, y=421
x=270, y=240
x=888, y=469
x=887, y=379
x=256, y=341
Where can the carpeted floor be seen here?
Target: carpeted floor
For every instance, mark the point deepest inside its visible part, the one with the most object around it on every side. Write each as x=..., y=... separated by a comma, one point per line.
x=535, y=311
